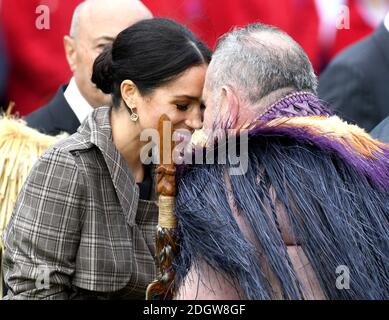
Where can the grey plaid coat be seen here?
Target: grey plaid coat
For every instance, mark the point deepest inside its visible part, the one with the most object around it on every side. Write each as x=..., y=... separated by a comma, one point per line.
x=79, y=229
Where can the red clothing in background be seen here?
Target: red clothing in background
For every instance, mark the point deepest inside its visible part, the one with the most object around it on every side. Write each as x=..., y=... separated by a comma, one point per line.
x=359, y=28
x=37, y=62
x=211, y=19
x=296, y=17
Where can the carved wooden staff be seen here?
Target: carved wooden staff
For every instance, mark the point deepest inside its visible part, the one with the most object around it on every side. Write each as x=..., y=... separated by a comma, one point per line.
x=167, y=235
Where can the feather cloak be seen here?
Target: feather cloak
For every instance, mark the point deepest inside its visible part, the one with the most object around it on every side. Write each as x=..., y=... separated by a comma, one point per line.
x=333, y=180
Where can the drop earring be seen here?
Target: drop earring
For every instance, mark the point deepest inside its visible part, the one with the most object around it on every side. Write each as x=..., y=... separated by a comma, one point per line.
x=133, y=115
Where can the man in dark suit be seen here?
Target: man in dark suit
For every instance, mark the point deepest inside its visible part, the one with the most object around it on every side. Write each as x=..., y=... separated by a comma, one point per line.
x=95, y=25
x=55, y=117
x=381, y=131
x=355, y=83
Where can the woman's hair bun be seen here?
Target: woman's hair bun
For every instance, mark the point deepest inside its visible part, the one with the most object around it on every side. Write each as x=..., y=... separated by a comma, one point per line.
x=102, y=71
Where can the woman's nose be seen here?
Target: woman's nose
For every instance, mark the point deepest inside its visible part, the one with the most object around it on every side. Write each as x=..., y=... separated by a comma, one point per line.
x=195, y=119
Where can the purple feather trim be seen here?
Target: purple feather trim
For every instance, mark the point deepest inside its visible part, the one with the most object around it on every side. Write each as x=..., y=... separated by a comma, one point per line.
x=307, y=104
x=296, y=104
x=376, y=169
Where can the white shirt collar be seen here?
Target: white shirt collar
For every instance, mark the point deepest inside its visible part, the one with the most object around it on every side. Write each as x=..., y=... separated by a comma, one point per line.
x=386, y=21
x=76, y=101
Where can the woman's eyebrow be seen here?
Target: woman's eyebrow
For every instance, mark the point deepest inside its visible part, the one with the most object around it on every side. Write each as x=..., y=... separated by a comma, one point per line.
x=184, y=96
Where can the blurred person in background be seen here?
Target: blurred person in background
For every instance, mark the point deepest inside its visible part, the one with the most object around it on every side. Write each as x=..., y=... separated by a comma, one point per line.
x=94, y=25
x=33, y=30
x=343, y=22
x=355, y=83
x=36, y=56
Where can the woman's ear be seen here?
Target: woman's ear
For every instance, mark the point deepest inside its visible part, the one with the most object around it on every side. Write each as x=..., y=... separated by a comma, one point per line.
x=230, y=103
x=128, y=92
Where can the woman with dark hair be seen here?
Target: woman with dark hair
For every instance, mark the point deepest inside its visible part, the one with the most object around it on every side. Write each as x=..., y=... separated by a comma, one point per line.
x=84, y=223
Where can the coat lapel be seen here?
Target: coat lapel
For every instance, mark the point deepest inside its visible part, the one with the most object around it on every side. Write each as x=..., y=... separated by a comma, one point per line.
x=126, y=188
x=63, y=116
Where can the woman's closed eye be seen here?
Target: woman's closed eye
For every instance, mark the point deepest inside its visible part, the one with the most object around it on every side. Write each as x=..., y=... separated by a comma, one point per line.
x=182, y=107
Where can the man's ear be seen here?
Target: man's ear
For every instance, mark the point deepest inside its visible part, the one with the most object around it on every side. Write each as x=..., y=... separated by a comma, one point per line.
x=231, y=102
x=70, y=51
